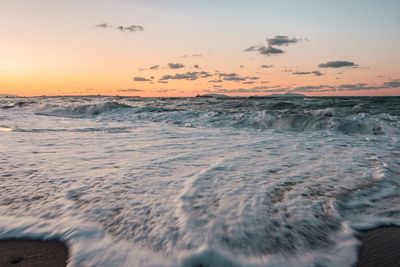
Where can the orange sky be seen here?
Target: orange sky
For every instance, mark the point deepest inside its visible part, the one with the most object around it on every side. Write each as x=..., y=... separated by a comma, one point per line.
x=54, y=47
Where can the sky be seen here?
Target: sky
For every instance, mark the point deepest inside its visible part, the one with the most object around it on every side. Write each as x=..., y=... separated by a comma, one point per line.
x=185, y=47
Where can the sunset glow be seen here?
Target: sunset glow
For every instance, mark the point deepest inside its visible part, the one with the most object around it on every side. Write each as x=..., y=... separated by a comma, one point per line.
x=185, y=48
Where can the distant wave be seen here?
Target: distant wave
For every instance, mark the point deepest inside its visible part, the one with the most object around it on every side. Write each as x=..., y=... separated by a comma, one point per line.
x=81, y=110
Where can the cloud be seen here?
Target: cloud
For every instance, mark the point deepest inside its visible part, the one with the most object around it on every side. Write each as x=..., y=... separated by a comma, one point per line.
x=186, y=76
x=316, y=73
x=252, y=48
x=266, y=66
x=231, y=77
x=155, y=67
x=311, y=88
x=265, y=50
x=338, y=64
x=103, y=25
x=392, y=84
x=205, y=74
x=141, y=79
x=175, y=65
x=196, y=66
x=215, y=81
x=132, y=28
x=193, y=55
x=281, y=40
x=358, y=86
x=269, y=50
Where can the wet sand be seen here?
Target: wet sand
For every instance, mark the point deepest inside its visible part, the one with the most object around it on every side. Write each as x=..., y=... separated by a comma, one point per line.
x=32, y=253
x=380, y=247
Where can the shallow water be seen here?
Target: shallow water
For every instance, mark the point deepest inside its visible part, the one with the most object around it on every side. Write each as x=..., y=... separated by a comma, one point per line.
x=200, y=181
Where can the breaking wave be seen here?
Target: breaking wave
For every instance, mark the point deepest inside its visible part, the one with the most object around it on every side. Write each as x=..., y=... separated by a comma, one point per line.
x=264, y=114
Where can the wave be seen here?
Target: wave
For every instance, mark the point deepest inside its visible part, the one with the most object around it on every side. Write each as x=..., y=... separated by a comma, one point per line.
x=81, y=110
x=349, y=117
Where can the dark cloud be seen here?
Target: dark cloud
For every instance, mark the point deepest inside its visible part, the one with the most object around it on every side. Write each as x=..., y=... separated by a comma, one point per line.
x=132, y=28
x=155, y=67
x=141, y=79
x=231, y=74
x=266, y=66
x=215, y=81
x=338, y=64
x=175, y=65
x=196, y=66
x=316, y=73
x=281, y=40
x=269, y=50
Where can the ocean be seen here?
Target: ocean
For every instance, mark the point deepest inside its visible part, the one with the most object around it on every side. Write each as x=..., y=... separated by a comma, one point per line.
x=196, y=182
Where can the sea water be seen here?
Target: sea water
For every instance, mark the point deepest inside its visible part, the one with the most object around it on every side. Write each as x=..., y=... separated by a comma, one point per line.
x=200, y=181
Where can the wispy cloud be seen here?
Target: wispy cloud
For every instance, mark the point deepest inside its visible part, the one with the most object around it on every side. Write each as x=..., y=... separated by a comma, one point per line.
x=103, y=25
x=393, y=84
x=193, y=55
x=155, y=67
x=267, y=66
x=316, y=73
x=132, y=28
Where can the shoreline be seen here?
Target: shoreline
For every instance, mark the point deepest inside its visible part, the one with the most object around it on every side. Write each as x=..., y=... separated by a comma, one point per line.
x=379, y=247
x=33, y=252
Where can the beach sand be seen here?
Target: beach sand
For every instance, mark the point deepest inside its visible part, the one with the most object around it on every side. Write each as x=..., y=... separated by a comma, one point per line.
x=380, y=247
x=30, y=253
